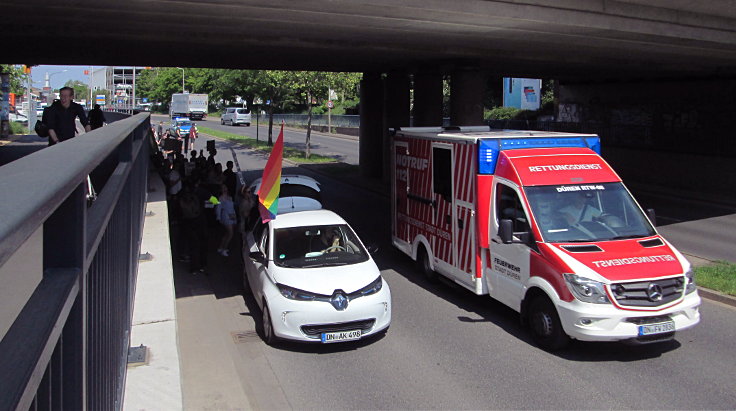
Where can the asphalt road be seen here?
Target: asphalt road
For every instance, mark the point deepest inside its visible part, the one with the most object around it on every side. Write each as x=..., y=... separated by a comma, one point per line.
x=341, y=149
x=446, y=349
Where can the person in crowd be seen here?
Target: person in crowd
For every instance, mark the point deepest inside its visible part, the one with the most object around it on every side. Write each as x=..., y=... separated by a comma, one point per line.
x=96, y=117
x=245, y=209
x=225, y=215
x=229, y=177
x=160, y=129
x=193, y=227
x=193, y=134
x=62, y=119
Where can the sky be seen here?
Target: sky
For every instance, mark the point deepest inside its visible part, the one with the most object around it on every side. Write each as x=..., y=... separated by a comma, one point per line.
x=38, y=75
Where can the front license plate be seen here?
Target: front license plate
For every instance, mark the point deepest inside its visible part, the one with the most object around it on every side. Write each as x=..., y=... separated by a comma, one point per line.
x=658, y=328
x=341, y=336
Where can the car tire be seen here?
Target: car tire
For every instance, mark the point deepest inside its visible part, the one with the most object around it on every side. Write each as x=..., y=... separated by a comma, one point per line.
x=222, y=122
x=246, y=285
x=545, y=326
x=267, y=326
x=424, y=265
x=247, y=124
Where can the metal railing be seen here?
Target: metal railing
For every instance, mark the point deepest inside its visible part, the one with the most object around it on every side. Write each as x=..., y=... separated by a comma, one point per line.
x=66, y=346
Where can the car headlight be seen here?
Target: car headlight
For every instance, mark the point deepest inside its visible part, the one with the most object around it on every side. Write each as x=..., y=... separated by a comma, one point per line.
x=690, y=279
x=372, y=288
x=586, y=290
x=297, y=294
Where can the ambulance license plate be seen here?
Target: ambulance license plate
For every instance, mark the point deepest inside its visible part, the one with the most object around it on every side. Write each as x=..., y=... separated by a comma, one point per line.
x=658, y=328
x=341, y=336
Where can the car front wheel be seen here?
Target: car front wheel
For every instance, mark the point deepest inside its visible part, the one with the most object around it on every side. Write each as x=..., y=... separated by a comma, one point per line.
x=268, y=335
x=545, y=325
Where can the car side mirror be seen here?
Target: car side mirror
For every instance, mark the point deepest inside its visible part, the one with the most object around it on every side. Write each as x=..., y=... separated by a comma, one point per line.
x=258, y=256
x=652, y=216
x=506, y=231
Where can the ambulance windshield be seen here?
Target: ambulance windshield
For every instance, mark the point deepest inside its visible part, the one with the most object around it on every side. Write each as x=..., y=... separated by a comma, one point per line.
x=587, y=212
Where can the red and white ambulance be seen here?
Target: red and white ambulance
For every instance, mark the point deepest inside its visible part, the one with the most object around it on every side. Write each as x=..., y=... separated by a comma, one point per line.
x=540, y=222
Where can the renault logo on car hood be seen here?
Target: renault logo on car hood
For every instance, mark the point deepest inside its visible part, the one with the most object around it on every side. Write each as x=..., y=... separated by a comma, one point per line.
x=339, y=300
x=654, y=292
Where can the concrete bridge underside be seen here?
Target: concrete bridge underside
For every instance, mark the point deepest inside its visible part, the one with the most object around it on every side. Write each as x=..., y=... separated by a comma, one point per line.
x=665, y=65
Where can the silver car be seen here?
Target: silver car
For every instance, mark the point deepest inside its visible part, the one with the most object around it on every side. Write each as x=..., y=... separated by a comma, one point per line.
x=235, y=116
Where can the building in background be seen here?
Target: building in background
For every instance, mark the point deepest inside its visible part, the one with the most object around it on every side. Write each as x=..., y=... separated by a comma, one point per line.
x=522, y=93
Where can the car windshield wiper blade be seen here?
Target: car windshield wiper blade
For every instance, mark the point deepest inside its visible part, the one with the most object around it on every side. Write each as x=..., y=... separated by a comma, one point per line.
x=334, y=264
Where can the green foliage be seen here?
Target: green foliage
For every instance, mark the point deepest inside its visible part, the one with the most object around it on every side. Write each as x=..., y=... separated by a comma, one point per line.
x=286, y=90
x=81, y=90
x=501, y=113
x=17, y=78
x=18, y=128
x=719, y=276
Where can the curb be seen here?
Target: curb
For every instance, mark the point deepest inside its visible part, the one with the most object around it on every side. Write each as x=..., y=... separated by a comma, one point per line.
x=716, y=296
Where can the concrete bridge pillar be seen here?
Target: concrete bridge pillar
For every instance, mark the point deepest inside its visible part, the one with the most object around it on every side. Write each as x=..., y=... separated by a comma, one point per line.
x=398, y=112
x=427, y=99
x=466, y=97
x=371, y=124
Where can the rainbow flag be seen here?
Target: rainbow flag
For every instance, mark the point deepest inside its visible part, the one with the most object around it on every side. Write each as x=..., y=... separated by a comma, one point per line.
x=268, y=194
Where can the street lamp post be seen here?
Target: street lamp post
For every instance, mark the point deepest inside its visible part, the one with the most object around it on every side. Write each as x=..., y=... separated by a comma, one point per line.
x=48, y=77
x=48, y=83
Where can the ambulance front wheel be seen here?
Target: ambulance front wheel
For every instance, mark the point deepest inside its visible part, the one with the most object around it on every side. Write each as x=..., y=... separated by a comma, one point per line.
x=424, y=265
x=545, y=325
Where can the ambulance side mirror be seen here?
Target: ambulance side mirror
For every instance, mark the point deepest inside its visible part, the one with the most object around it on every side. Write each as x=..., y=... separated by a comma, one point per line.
x=506, y=231
x=652, y=216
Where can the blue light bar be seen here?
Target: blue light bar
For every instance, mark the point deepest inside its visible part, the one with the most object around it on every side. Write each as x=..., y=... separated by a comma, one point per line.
x=489, y=149
x=487, y=156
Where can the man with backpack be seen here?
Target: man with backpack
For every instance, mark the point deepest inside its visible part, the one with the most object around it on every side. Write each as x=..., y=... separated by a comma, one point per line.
x=62, y=116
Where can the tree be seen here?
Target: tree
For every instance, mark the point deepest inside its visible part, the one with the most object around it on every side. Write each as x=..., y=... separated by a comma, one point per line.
x=275, y=86
x=81, y=90
x=18, y=79
x=312, y=86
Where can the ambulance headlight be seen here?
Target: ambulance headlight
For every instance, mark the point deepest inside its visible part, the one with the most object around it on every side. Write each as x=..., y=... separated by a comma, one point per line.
x=586, y=290
x=690, y=279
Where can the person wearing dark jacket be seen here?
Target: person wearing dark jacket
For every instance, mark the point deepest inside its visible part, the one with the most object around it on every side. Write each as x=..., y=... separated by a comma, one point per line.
x=96, y=117
x=62, y=125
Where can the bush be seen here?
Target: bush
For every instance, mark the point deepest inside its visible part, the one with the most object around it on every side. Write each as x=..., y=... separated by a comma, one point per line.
x=18, y=128
x=501, y=113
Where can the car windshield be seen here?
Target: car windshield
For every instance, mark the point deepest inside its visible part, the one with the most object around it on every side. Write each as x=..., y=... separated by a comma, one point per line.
x=581, y=213
x=317, y=246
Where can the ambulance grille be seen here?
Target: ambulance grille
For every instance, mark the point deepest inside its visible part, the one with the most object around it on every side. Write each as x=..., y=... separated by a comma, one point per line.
x=648, y=293
x=588, y=248
x=654, y=242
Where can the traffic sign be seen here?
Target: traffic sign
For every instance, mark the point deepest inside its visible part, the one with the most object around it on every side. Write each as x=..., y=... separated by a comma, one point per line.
x=330, y=104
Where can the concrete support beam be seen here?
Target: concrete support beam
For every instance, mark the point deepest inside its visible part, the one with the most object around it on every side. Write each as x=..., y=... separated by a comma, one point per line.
x=371, y=124
x=466, y=97
x=427, y=99
x=398, y=111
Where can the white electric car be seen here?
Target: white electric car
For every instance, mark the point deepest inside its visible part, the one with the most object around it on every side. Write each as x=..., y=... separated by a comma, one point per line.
x=314, y=280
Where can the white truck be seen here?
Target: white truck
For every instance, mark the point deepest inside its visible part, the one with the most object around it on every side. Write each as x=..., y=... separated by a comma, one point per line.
x=193, y=106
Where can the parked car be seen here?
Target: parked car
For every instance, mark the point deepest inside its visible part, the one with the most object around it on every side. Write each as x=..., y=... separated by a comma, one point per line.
x=235, y=116
x=313, y=279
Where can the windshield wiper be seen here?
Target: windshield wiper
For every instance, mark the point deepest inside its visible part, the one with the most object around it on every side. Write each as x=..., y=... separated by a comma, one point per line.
x=325, y=265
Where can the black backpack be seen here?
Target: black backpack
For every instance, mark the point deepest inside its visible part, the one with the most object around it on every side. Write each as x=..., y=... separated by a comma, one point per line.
x=41, y=128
